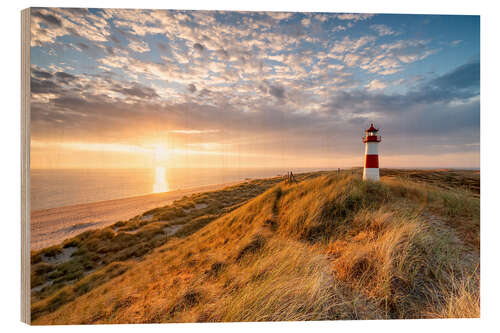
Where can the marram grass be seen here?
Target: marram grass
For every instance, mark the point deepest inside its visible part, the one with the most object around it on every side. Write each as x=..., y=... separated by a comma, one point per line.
x=327, y=247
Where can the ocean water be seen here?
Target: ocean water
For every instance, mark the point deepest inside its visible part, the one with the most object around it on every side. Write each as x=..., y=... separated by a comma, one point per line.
x=57, y=188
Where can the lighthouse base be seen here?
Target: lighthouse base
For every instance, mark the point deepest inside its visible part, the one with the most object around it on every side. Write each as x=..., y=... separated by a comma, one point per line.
x=371, y=174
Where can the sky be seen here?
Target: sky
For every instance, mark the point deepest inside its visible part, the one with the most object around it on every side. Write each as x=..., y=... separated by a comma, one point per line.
x=128, y=88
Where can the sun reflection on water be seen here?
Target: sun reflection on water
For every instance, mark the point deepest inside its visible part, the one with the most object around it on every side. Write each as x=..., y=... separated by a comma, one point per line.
x=160, y=184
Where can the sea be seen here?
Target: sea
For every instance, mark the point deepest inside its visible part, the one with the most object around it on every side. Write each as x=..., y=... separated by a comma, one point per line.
x=58, y=188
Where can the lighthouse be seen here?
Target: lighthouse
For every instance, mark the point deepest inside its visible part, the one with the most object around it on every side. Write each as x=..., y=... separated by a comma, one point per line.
x=371, y=141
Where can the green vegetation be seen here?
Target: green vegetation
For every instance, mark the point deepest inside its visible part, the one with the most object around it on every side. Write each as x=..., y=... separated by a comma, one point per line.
x=329, y=246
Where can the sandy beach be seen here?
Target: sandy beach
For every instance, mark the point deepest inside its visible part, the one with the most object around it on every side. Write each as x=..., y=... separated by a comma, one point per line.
x=52, y=226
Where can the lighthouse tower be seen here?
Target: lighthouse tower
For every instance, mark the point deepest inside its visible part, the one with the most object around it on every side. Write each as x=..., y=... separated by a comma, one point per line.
x=371, y=140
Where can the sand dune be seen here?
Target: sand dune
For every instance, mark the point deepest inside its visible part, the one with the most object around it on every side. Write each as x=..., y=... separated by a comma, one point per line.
x=51, y=226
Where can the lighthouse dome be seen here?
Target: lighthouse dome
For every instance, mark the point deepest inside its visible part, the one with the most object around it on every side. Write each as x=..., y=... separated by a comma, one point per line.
x=372, y=129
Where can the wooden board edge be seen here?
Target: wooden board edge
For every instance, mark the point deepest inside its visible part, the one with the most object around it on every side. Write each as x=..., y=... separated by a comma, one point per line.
x=25, y=164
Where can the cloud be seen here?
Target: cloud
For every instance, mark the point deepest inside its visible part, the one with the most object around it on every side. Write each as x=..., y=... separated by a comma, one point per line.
x=48, y=18
x=339, y=28
x=43, y=86
x=351, y=45
x=279, y=15
x=382, y=29
x=306, y=22
x=41, y=73
x=63, y=76
x=460, y=84
x=423, y=114
x=65, y=87
x=83, y=46
x=136, y=90
x=321, y=17
x=194, y=131
x=390, y=58
x=375, y=85
x=139, y=46
x=351, y=59
x=191, y=87
x=66, y=21
x=109, y=50
x=462, y=78
x=198, y=47
x=354, y=17
x=277, y=91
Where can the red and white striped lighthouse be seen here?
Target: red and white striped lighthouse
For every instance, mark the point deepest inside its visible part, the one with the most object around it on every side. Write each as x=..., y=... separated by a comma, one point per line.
x=371, y=140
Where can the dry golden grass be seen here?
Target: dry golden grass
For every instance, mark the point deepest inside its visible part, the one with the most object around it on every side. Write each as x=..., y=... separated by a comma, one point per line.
x=130, y=240
x=459, y=298
x=328, y=247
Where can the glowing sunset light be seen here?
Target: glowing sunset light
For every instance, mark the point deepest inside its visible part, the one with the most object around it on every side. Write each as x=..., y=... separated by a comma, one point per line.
x=161, y=153
x=253, y=93
x=160, y=184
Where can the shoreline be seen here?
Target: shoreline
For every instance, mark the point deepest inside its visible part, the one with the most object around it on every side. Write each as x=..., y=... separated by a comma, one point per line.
x=51, y=226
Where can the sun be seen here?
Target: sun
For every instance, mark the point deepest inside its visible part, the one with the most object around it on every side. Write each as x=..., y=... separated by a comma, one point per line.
x=161, y=153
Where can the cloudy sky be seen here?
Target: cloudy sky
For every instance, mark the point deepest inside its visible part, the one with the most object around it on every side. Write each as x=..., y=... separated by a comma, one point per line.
x=137, y=88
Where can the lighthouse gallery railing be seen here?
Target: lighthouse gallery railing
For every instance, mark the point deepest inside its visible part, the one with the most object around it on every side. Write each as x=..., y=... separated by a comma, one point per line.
x=372, y=138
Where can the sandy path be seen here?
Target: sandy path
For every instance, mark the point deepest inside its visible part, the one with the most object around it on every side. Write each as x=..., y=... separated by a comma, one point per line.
x=52, y=226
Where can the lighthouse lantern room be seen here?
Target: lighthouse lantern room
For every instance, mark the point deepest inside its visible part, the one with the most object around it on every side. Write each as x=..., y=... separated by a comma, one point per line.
x=371, y=140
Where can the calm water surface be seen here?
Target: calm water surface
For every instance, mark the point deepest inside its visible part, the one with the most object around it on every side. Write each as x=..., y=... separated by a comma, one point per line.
x=56, y=188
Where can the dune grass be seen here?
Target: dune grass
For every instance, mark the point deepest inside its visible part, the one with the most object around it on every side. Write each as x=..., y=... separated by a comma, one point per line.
x=327, y=247
x=132, y=239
